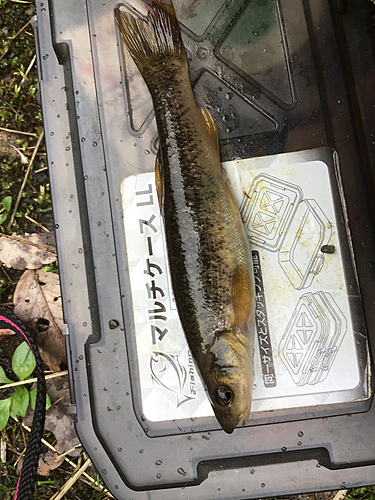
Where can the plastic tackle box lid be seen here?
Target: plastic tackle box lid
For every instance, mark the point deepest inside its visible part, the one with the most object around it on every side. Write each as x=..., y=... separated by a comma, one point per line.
x=292, y=106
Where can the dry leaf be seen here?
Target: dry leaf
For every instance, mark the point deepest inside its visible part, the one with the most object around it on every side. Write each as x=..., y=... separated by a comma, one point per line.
x=18, y=255
x=60, y=422
x=5, y=332
x=37, y=301
x=58, y=390
x=8, y=149
x=49, y=461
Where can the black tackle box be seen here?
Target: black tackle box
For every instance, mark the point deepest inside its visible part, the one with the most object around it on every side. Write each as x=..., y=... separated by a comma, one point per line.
x=290, y=85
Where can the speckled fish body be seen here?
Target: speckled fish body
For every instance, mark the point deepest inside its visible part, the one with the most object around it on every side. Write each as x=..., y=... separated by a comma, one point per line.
x=208, y=250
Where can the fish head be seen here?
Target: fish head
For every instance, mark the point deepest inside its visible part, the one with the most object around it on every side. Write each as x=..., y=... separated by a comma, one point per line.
x=230, y=380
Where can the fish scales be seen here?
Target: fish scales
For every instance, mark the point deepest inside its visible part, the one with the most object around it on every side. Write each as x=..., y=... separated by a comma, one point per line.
x=196, y=208
x=208, y=250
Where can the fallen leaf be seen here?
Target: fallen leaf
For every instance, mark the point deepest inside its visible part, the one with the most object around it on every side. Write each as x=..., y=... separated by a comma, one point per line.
x=49, y=461
x=60, y=421
x=5, y=332
x=37, y=301
x=19, y=254
x=58, y=390
x=8, y=149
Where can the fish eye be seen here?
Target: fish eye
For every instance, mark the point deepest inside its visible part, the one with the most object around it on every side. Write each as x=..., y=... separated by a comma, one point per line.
x=223, y=395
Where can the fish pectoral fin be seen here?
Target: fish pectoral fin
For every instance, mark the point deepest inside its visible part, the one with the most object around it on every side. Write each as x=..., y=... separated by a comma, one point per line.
x=211, y=127
x=159, y=181
x=242, y=291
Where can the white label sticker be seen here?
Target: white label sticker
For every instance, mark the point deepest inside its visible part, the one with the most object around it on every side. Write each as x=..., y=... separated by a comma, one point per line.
x=305, y=352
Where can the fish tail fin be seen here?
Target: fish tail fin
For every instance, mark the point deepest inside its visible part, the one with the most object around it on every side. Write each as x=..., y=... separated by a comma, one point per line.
x=153, y=38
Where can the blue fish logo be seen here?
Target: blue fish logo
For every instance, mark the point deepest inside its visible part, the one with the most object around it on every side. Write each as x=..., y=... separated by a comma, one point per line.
x=167, y=371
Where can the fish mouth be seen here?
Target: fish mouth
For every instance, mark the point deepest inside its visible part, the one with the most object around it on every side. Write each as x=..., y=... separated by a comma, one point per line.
x=229, y=427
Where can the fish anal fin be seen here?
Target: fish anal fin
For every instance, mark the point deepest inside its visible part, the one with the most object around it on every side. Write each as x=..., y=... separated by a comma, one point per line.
x=211, y=127
x=242, y=292
x=159, y=181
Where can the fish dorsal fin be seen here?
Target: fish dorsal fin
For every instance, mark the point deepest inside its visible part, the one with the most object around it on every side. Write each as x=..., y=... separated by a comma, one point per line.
x=159, y=181
x=211, y=127
x=242, y=293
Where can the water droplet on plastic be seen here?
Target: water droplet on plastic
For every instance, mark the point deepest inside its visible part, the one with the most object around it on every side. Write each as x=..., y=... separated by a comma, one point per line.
x=181, y=471
x=202, y=53
x=45, y=56
x=147, y=152
x=300, y=434
x=113, y=323
x=158, y=462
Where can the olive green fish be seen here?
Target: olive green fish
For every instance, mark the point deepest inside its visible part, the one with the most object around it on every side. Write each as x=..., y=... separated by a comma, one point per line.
x=208, y=251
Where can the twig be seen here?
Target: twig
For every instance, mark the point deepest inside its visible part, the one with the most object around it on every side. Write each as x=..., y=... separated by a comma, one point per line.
x=13, y=37
x=19, y=1
x=31, y=380
x=25, y=179
x=28, y=70
x=40, y=170
x=71, y=481
x=17, y=132
x=69, y=451
x=3, y=451
x=37, y=223
x=62, y=397
x=91, y=479
x=20, y=31
x=340, y=495
x=24, y=439
x=3, y=54
x=23, y=157
x=26, y=242
x=6, y=274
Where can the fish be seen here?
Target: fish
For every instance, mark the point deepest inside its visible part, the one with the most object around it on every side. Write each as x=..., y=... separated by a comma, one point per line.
x=208, y=250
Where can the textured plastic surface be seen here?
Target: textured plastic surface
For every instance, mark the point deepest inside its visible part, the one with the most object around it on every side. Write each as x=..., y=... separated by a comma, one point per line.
x=278, y=77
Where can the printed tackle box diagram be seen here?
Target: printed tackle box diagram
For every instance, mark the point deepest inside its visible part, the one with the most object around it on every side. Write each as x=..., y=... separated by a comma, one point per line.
x=302, y=308
x=279, y=219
